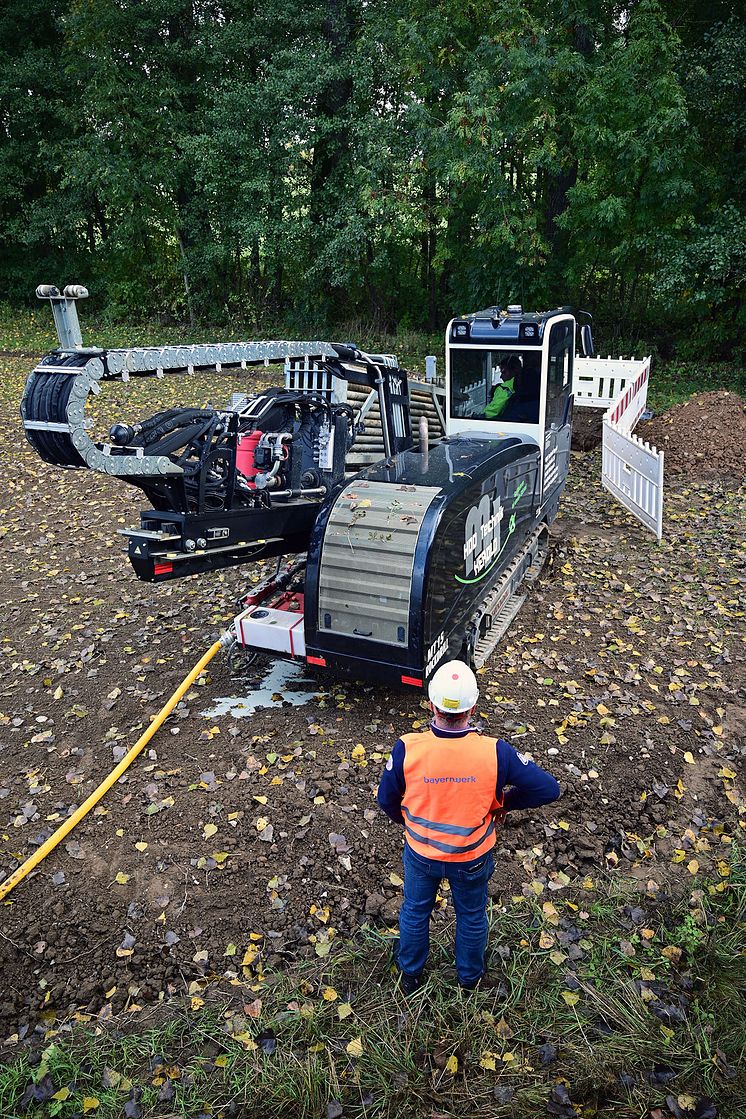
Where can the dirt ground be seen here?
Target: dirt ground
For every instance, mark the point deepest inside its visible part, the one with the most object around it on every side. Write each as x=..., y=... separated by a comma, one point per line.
x=257, y=840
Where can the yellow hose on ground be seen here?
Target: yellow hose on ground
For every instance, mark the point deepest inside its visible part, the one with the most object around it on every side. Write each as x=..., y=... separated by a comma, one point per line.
x=64, y=829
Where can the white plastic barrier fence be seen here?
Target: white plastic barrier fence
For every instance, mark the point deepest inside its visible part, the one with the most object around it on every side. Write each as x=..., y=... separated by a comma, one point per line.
x=632, y=471
x=630, y=404
x=598, y=381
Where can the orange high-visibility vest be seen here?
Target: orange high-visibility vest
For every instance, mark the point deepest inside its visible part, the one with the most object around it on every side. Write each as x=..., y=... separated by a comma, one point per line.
x=450, y=799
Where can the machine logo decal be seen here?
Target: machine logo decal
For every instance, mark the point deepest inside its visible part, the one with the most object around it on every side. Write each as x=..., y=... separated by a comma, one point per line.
x=483, y=543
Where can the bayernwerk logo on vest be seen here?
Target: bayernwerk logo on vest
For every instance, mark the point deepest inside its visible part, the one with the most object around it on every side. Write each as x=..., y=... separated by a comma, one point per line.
x=449, y=780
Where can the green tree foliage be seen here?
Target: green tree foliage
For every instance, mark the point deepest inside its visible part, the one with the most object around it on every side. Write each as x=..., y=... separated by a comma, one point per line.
x=395, y=161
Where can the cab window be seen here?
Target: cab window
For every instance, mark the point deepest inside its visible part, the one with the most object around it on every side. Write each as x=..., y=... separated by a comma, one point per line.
x=559, y=378
x=493, y=385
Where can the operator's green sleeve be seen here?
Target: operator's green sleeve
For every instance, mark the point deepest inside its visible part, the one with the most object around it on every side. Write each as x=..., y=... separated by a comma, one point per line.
x=501, y=396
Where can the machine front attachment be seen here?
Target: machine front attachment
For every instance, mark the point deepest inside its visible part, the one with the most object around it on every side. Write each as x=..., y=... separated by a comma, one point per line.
x=227, y=485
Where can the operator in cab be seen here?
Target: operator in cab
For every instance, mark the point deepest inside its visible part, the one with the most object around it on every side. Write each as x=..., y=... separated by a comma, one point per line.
x=449, y=787
x=510, y=368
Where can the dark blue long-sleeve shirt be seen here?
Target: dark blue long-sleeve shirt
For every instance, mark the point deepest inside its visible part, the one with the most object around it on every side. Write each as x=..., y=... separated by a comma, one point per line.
x=520, y=782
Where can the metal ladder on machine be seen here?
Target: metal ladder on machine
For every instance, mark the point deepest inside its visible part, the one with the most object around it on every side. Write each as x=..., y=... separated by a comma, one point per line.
x=504, y=601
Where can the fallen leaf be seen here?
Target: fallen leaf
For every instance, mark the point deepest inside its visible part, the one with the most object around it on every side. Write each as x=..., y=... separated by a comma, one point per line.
x=355, y=1047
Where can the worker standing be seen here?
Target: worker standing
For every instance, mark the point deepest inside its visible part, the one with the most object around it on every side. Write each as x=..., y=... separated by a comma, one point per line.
x=449, y=786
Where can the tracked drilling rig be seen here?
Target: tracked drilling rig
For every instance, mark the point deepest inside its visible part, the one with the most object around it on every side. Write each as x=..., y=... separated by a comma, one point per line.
x=407, y=525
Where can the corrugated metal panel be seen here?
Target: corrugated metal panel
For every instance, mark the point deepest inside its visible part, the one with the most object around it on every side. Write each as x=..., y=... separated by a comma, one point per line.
x=365, y=579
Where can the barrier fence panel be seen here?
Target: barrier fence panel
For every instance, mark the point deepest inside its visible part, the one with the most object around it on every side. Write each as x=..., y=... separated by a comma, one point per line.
x=632, y=471
x=598, y=381
x=630, y=404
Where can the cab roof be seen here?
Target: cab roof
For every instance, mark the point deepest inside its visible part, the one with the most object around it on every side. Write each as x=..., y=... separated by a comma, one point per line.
x=494, y=326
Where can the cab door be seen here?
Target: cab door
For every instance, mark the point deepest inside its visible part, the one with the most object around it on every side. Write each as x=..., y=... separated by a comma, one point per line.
x=558, y=406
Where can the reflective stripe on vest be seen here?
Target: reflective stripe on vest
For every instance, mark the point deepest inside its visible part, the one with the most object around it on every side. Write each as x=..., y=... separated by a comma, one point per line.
x=450, y=799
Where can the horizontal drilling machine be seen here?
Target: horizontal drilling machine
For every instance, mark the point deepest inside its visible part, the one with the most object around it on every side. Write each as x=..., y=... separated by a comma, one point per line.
x=407, y=521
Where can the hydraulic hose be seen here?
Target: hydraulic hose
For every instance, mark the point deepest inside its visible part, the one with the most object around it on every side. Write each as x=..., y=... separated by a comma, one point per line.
x=72, y=821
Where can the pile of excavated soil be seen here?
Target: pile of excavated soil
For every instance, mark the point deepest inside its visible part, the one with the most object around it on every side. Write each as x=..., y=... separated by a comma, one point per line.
x=704, y=435
x=587, y=428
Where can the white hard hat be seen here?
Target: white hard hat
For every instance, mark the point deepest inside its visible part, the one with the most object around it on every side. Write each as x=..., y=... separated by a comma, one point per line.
x=453, y=689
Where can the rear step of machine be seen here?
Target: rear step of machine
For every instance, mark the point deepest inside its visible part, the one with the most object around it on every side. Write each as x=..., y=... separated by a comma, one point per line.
x=504, y=602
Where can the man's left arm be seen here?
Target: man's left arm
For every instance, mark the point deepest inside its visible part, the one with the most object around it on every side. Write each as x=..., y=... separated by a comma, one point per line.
x=530, y=785
x=392, y=785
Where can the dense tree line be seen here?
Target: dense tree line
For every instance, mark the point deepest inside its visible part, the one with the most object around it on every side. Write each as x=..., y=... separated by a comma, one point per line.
x=394, y=160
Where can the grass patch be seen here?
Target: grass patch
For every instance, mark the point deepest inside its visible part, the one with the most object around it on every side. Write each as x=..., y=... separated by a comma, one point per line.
x=675, y=381
x=608, y=1003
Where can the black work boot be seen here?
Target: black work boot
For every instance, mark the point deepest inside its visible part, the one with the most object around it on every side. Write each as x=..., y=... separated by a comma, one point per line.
x=486, y=983
x=410, y=983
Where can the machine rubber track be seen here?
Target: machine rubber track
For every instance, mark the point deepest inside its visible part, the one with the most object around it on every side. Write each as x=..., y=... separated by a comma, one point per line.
x=504, y=602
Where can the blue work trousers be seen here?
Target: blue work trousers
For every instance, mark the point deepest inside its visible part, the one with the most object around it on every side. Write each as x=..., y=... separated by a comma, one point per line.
x=468, y=882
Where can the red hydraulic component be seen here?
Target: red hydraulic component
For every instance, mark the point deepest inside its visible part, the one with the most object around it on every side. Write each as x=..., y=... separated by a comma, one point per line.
x=247, y=444
x=290, y=600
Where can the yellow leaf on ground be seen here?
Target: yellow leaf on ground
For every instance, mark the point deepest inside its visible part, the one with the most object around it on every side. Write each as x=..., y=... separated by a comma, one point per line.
x=209, y=830
x=221, y=1061
x=571, y=997
x=550, y=912
x=487, y=1060
x=452, y=1064
x=692, y=866
x=329, y=994
x=90, y=1103
x=141, y=846
x=355, y=1047
x=63, y=1094
x=246, y=1040
x=395, y=880
x=250, y=955
x=689, y=757
x=546, y=940
x=344, y=1010
x=122, y=878
x=672, y=953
